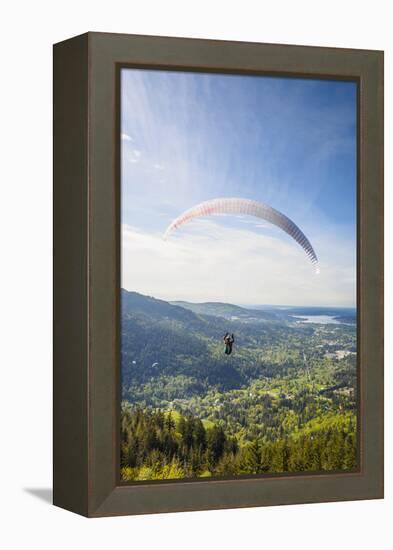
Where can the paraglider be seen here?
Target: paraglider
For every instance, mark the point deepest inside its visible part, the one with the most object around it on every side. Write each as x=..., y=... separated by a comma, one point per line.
x=250, y=208
x=228, y=341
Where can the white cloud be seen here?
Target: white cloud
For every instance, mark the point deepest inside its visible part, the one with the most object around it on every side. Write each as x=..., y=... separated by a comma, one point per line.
x=135, y=155
x=209, y=261
x=126, y=137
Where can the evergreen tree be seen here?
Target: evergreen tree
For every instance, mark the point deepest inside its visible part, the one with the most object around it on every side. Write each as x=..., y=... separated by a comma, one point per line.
x=251, y=461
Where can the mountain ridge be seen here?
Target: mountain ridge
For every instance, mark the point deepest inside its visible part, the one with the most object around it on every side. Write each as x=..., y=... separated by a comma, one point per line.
x=154, y=306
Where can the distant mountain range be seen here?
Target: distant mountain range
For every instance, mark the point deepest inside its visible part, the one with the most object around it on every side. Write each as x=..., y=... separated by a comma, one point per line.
x=133, y=302
x=292, y=311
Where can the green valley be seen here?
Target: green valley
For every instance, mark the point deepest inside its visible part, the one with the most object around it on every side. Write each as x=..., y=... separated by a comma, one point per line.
x=284, y=401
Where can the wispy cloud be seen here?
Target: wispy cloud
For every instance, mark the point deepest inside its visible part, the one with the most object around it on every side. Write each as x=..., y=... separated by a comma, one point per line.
x=212, y=261
x=134, y=155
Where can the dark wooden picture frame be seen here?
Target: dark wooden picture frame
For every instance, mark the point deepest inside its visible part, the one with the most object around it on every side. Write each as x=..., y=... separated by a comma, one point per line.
x=86, y=273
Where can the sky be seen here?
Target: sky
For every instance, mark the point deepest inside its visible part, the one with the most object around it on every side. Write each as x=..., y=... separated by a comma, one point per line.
x=288, y=142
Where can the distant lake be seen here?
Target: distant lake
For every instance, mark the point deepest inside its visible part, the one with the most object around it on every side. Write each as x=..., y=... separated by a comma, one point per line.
x=319, y=319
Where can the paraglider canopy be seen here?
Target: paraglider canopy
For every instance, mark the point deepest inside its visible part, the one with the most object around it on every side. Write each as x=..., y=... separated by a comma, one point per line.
x=250, y=208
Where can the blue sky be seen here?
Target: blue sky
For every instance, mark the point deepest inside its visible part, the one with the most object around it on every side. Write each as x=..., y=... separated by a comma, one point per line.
x=291, y=143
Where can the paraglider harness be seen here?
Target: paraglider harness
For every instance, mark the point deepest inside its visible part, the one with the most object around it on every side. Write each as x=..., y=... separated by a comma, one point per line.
x=228, y=340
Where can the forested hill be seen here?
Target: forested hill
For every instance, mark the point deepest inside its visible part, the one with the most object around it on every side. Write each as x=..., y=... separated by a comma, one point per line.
x=161, y=340
x=133, y=303
x=229, y=311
